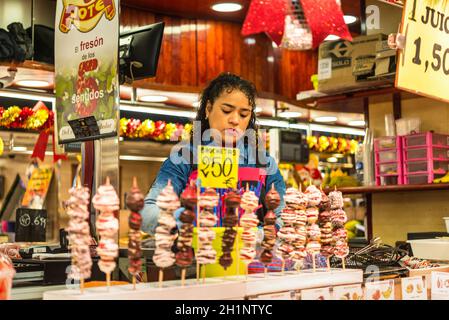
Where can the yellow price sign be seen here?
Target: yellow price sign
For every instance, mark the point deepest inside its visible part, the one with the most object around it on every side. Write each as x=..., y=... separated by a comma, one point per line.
x=218, y=167
x=423, y=65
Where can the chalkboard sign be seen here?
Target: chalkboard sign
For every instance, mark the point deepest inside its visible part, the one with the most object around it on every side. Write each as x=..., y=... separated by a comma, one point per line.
x=31, y=225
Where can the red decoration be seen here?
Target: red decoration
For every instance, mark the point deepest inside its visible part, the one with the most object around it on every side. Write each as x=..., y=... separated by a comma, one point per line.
x=266, y=16
x=324, y=18
x=41, y=145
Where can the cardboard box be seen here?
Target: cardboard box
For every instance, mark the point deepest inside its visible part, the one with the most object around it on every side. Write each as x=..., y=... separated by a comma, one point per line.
x=385, y=59
x=346, y=66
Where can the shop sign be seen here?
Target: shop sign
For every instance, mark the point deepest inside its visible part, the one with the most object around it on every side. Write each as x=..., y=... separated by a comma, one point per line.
x=352, y=292
x=413, y=288
x=316, y=294
x=440, y=286
x=218, y=167
x=423, y=66
x=86, y=79
x=379, y=290
x=37, y=188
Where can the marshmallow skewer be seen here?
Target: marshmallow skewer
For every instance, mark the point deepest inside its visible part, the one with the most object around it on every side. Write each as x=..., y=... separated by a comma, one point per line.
x=313, y=247
x=230, y=220
x=206, y=254
x=134, y=201
x=249, y=203
x=338, y=219
x=163, y=257
x=272, y=200
x=324, y=219
x=107, y=203
x=79, y=233
x=184, y=257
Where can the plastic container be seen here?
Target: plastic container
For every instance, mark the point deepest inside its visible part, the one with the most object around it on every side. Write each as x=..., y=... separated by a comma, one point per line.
x=432, y=249
x=6, y=275
x=389, y=180
x=407, y=126
x=386, y=143
x=425, y=178
x=446, y=221
x=426, y=139
x=389, y=169
x=387, y=156
x=439, y=167
x=434, y=153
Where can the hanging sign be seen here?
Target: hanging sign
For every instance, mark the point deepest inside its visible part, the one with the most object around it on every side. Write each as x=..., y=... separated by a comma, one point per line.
x=37, y=188
x=218, y=167
x=423, y=66
x=86, y=79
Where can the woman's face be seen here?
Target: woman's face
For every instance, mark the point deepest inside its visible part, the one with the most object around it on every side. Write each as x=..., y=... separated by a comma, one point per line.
x=230, y=115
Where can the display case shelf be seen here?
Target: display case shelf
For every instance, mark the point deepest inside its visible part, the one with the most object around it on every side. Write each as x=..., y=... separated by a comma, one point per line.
x=392, y=188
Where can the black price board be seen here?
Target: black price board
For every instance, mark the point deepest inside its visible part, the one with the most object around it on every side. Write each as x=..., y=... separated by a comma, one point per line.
x=31, y=225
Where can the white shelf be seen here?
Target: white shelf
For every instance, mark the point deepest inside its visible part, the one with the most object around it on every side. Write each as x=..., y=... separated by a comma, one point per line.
x=235, y=287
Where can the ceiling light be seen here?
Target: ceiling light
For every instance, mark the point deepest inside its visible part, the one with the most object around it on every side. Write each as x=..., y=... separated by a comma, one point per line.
x=289, y=114
x=273, y=123
x=32, y=83
x=153, y=98
x=17, y=95
x=357, y=123
x=250, y=41
x=19, y=149
x=336, y=129
x=165, y=112
x=349, y=19
x=338, y=155
x=332, y=159
x=325, y=119
x=331, y=37
x=270, y=59
x=227, y=7
x=140, y=158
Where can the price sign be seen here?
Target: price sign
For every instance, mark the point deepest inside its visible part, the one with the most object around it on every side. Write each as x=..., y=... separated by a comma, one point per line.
x=379, y=290
x=413, y=288
x=423, y=66
x=31, y=225
x=218, y=167
x=440, y=286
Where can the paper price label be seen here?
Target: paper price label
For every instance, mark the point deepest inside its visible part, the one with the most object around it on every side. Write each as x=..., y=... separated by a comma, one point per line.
x=218, y=167
x=440, y=286
x=380, y=290
x=413, y=288
x=423, y=66
x=353, y=292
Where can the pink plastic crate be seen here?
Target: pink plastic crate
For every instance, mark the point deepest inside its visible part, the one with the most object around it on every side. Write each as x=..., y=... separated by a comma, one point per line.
x=438, y=167
x=426, y=140
x=426, y=153
x=388, y=161
x=422, y=178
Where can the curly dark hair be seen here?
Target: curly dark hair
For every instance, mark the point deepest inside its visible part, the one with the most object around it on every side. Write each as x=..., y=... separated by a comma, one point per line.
x=226, y=82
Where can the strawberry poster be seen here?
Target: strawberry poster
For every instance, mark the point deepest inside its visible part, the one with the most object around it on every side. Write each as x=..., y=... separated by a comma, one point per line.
x=86, y=55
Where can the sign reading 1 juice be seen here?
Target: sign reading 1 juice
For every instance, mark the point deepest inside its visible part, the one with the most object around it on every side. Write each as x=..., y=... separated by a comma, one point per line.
x=423, y=66
x=86, y=55
x=218, y=167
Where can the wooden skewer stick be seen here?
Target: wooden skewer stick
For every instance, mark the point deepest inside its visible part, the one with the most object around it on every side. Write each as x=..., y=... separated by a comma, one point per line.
x=161, y=277
x=283, y=266
x=237, y=250
x=108, y=280
x=343, y=263
x=314, y=262
x=82, y=285
x=183, y=276
x=204, y=273
x=265, y=271
x=246, y=272
x=198, y=189
x=134, y=282
x=328, y=263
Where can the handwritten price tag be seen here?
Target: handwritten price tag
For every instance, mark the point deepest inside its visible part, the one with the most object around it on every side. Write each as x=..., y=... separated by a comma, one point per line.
x=218, y=167
x=424, y=63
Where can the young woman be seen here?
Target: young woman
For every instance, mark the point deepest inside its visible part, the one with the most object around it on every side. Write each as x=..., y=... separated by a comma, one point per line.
x=226, y=117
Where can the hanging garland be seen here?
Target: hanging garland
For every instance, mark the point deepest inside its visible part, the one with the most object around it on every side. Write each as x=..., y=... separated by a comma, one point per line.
x=332, y=144
x=26, y=118
x=154, y=130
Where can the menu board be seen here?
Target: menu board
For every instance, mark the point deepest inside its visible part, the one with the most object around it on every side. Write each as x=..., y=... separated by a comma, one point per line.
x=31, y=225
